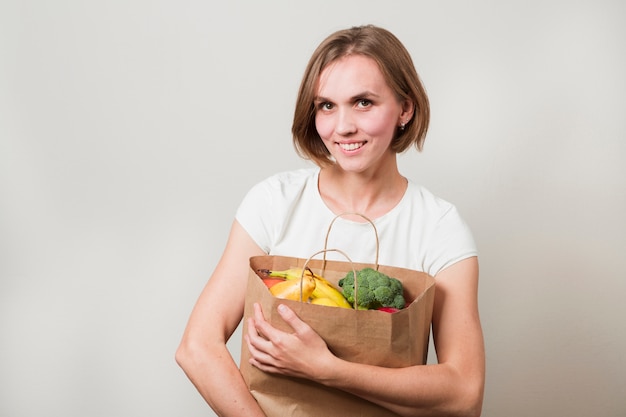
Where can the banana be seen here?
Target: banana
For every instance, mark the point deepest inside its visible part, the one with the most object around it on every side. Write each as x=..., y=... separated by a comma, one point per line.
x=291, y=273
x=323, y=301
x=291, y=289
x=323, y=288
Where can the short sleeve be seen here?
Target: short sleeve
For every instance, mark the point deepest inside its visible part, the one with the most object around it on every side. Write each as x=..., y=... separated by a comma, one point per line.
x=254, y=214
x=451, y=242
x=269, y=206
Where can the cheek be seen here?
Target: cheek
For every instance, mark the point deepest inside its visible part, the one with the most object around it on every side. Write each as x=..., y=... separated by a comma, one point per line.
x=324, y=127
x=379, y=126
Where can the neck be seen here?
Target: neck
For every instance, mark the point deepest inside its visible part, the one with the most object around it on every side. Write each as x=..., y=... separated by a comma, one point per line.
x=370, y=194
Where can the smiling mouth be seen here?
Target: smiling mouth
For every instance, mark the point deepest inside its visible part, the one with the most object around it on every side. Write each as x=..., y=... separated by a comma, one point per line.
x=351, y=146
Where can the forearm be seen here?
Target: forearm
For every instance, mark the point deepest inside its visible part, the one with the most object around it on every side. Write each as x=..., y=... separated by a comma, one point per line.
x=425, y=390
x=202, y=352
x=216, y=376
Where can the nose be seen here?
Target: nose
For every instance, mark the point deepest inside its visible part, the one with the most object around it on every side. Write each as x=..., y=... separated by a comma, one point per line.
x=345, y=122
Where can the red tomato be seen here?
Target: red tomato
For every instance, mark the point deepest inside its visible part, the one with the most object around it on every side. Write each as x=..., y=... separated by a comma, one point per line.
x=387, y=309
x=269, y=282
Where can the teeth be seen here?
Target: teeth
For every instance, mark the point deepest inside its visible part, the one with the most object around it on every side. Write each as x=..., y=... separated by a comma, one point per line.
x=350, y=146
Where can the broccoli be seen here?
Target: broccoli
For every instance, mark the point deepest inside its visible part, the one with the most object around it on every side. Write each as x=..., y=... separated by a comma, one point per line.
x=374, y=290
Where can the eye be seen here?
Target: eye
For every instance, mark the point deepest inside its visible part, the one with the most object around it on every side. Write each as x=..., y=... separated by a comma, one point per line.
x=325, y=105
x=364, y=102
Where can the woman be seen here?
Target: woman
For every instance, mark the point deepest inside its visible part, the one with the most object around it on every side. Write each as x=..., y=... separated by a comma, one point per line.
x=360, y=103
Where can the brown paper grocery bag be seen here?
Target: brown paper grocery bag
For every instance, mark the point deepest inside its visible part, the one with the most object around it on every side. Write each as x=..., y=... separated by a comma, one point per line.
x=365, y=336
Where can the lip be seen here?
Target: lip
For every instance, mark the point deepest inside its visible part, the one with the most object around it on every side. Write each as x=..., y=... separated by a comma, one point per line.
x=352, y=146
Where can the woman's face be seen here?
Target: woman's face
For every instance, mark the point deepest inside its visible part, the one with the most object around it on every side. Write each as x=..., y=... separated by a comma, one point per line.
x=357, y=114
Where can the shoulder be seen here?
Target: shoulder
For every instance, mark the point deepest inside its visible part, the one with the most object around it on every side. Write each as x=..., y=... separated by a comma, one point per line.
x=269, y=204
x=421, y=198
x=438, y=218
x=290, y=179
x=445, y=233
x=285, y=185
x=279, y=190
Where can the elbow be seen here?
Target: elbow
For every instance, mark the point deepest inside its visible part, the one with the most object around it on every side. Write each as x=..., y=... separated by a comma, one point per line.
x=464, y=397
x=470, y=400
x=184, y=355
x=193, y=354
x=472, y=410
x=181, y=355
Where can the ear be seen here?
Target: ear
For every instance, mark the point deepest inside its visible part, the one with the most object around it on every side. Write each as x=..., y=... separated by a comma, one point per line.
x=408, y=108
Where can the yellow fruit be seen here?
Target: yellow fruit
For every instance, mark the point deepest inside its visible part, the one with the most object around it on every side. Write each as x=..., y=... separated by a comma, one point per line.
x=324, y=289
x=291, y=273
x=324, y=301
x=290, y=290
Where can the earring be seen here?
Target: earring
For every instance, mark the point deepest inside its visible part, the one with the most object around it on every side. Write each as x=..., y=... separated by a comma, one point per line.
x=402, y=124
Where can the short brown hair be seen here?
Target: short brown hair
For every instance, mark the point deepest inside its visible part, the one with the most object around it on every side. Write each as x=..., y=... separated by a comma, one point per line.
x=397, y=68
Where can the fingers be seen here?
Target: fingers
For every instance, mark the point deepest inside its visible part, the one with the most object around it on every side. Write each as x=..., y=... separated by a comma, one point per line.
x=257, y=347
x=292, y=319
x=261, y=334
x=283, y=352
x=264, y=340
x=260, y=325
x=287, y=314
x=261, y=338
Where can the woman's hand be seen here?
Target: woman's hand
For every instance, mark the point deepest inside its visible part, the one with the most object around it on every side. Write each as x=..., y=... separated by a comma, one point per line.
x=302, y=353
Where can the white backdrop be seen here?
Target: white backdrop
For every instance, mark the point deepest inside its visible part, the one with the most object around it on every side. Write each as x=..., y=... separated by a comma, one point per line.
x=130, y=130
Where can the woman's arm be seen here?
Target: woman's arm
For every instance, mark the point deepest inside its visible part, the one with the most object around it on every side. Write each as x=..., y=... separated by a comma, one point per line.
x=202, y=352
x=454, y=386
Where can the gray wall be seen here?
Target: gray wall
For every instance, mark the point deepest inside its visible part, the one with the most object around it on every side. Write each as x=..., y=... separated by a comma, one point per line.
x=130, y=130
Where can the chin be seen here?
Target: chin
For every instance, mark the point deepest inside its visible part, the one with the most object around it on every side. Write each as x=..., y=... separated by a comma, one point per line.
x=351, y=168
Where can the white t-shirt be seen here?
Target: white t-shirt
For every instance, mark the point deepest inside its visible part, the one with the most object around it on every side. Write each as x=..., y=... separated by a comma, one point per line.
x=285, y=215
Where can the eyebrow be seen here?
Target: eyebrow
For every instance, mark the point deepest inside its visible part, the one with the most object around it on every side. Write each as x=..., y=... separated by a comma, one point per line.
x=364, y=94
